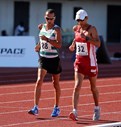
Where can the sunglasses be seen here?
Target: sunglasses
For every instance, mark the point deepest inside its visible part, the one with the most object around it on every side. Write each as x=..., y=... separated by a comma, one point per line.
x=79, y=20
x=47, y=18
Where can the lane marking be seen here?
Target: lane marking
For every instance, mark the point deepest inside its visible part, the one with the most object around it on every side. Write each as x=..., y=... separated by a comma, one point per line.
x=60, y=107
x=62, y=97
x=25, y=123
x=58, y=118
x=64, y=89
x=48, y=83
x=116, y=124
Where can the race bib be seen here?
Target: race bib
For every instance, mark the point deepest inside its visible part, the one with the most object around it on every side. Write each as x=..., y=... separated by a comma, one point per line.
x=81, y=49
x=45, y=46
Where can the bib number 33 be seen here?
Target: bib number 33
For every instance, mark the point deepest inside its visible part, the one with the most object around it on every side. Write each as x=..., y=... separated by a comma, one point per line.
x=81, y=49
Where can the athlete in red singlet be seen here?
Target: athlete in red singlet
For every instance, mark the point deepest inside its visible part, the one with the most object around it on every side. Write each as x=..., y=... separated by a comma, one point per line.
x=86, y=40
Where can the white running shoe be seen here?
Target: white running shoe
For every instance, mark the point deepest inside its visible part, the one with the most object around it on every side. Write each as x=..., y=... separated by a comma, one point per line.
x=96, y=115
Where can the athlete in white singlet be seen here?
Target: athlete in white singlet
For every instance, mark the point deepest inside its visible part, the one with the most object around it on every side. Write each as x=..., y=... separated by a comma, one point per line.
x=49, y=62
x=48, y=50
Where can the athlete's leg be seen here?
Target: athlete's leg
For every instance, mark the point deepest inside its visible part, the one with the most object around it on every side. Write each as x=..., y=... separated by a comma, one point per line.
x=94, y=90
x=78, y=83
x=95, y=93
x=37, y=91
x=75, y=97
x=55, y=80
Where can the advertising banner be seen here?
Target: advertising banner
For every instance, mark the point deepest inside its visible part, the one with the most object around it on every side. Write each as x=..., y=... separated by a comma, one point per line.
x=18, y=51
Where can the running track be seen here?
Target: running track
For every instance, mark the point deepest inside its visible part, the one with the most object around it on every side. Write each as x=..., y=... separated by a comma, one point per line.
x=17, y=99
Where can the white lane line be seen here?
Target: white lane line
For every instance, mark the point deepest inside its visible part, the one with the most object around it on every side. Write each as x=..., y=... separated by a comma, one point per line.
x=49, y=98
x=48, y=108
x=58, y=118
x=64, y=89
x=61, y=82
x=33, y=122
x=116, y=124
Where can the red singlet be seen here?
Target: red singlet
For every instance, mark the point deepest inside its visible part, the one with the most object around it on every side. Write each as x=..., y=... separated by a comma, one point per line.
x=86, y=62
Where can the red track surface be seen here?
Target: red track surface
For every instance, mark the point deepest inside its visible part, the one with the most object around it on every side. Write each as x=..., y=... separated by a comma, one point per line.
x=17, y=99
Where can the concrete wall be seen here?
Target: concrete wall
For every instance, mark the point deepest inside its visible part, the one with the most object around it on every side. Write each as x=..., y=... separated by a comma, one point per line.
x=97, y=11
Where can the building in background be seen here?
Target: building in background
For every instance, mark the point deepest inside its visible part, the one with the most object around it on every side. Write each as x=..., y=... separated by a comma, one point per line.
x=105, y=15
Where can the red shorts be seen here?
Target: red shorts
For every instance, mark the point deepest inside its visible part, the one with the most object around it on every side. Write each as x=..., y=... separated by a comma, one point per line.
x=85, y=68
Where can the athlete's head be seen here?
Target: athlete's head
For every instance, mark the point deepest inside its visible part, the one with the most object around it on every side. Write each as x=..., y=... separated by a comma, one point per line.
x=50, y=16
x=81, y=15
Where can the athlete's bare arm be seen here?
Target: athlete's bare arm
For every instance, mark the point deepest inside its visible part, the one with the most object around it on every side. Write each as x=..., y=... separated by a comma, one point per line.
x=94, y=38
x=37, y=47
x=72, y=46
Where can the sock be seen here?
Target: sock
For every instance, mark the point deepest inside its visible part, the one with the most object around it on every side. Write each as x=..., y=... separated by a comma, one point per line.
x=36, y=106
x=74, y=110
x=55, y=106
x=97, y=107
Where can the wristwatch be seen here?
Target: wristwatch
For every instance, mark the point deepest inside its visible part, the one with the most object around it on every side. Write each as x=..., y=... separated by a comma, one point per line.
x=87, y=38
x=48, y=40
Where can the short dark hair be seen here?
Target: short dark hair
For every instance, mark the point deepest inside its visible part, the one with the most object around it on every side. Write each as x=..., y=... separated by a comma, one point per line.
x=50, y=11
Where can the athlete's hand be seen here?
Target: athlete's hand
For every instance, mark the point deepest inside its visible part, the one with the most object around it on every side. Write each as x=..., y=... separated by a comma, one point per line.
x=44, y=38
x=83, y=36
x=72, y=48
x=37, y=47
